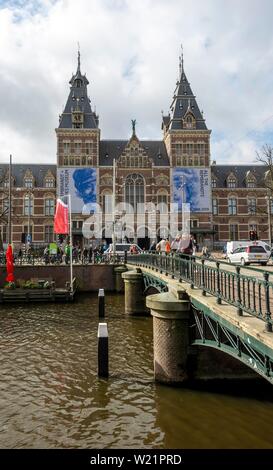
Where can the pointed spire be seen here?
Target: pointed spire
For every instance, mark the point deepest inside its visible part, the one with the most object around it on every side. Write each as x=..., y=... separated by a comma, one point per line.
x=184, y=101
x=79, y=60
x=181, y=62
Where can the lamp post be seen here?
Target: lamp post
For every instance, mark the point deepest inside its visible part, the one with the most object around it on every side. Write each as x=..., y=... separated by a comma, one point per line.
x=9, y=212
x=269, y=199
x=114, y=208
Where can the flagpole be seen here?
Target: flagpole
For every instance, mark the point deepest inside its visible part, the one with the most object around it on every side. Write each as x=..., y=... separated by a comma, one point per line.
x=71, y=245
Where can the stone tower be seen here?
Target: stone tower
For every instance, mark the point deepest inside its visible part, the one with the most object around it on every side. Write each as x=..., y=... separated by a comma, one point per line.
x=187, y=141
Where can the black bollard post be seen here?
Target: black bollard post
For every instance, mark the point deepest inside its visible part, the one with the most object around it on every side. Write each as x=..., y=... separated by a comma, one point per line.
x=103, y=368
x=101, y=298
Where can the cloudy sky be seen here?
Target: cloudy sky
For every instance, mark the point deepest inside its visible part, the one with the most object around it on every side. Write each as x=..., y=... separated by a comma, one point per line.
x=130, y=52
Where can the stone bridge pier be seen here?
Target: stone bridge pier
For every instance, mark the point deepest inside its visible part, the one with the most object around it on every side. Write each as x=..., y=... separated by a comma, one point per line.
x=171, y=336
x=134, y=292
x=180, y=354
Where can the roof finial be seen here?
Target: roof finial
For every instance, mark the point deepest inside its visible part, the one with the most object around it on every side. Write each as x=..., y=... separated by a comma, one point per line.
x=181, y=61
x=133, y=126
x=79, y=58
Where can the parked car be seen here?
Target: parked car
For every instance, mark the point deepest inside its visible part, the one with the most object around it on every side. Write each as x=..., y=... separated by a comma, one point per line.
x=121, y=248
x=249, y=254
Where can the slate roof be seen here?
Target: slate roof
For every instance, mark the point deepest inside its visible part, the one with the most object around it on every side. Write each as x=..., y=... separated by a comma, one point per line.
x=184, y=101
x=155, y=149
x=78, y=100
x=19, y=170
x=221, y=172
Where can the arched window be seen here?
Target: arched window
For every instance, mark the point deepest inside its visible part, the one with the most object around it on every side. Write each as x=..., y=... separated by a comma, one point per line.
x=134, y=190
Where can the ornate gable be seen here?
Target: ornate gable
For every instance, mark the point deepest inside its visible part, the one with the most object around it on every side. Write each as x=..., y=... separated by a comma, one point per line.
x=134, y=155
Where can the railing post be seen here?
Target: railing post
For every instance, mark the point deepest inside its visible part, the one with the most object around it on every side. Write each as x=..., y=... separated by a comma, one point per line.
x=172, y=255
x=238, y=284
x=160, y=254
x=218, y=283
x=268, y=325
x=125, y=256
x=192, y=261
x=101, y=298
x=203, y=277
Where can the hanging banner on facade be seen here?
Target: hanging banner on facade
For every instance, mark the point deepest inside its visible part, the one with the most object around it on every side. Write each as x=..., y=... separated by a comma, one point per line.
x=192, y=186
x=80, y=183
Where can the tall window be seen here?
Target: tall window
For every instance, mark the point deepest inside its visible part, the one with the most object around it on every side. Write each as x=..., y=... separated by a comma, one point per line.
x=66, y=148
x=78, y=147
x=233, y=232
x=4, y=233
x=178, y=149
x=252, y=205
x=232, y=206
x=28, y=204
x=88, y=147
x=134, y=190
x=215, y=206
x=49, y=235
x=107, y=203
x=162, y=202
x=49, y=206
x=189, y=148
x=200, y=148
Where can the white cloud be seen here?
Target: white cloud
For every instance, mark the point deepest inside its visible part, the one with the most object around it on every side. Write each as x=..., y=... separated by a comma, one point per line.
x=130, y=54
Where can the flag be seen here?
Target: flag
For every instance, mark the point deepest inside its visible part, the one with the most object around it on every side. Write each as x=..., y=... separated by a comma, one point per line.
x=9, y=264
x=61, y=218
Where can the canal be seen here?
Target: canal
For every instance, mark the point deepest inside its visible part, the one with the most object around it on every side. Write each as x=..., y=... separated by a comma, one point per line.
x=51, y=397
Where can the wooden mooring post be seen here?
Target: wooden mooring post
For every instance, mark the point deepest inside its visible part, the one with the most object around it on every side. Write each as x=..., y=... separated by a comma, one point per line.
x=101, y=298
x=103, y=360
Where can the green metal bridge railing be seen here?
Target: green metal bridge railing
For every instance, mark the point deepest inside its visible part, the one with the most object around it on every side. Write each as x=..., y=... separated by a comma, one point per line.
x=248, y=293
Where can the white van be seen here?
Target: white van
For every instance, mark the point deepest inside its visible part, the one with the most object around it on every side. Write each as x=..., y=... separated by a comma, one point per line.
x=232, y=246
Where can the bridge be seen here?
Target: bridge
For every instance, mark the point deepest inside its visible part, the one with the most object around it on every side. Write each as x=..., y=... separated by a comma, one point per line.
x=198, y=303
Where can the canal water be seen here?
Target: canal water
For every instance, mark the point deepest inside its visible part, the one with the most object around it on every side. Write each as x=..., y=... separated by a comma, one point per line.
x=51, y=397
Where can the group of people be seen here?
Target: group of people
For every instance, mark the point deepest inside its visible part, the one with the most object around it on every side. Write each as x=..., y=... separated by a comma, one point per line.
x=183, y=244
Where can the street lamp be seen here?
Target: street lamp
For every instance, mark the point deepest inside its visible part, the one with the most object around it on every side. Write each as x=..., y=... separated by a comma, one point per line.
x=269, y=199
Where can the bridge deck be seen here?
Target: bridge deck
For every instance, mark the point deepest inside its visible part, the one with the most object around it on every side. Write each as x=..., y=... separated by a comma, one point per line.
x=250, y=326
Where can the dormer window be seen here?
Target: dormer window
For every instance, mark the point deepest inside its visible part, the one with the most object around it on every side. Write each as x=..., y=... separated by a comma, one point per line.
x=214, y=183
x=49, y=182
x=231, y=181
x=189, y=122
x=250, y=180
x=77, y=120
x=28, y=182
x=251, y=184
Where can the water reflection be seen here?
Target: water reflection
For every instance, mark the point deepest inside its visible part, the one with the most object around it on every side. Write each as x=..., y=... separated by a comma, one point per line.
x=51, y=397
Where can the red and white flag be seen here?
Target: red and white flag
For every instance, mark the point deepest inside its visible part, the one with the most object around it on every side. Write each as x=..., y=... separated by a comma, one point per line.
x=61, y=218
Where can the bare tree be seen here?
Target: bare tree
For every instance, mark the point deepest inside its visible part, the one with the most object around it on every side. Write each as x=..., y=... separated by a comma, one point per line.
x=265, y=156
x=4, y=206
